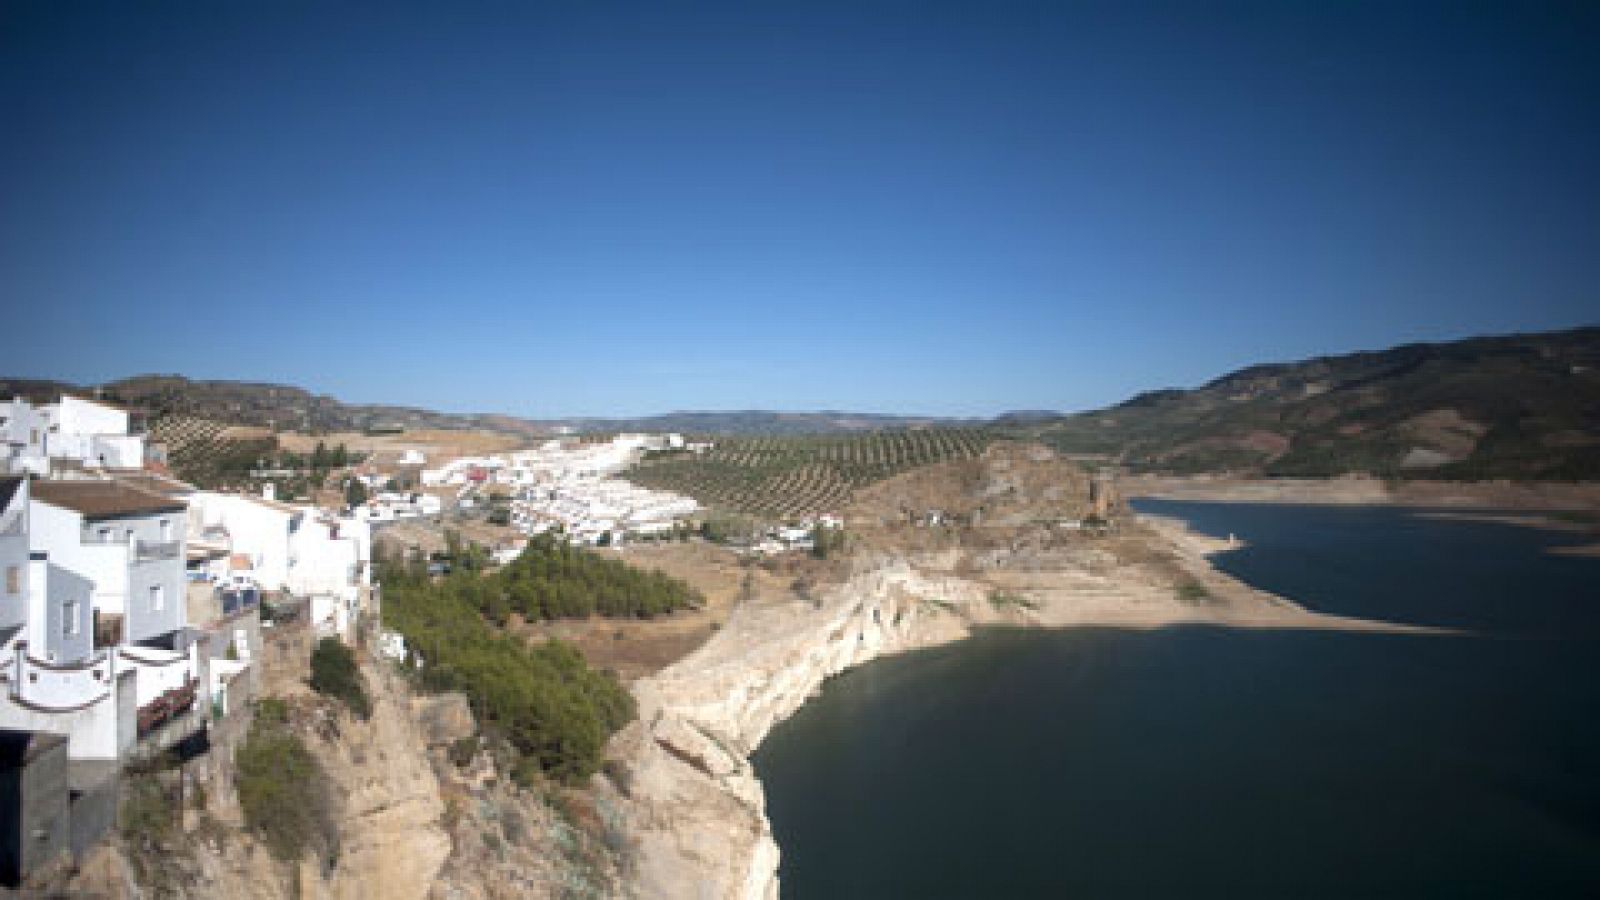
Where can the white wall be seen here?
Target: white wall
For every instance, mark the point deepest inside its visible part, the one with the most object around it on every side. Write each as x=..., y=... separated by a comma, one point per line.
x=61, y=614
x=58, y=532
x=14, y=560
x=78, y=416
x=157, y=671
x=78, y=429
x=324, y=564
x=259, y=531
x=122, y=581
x=105, y=729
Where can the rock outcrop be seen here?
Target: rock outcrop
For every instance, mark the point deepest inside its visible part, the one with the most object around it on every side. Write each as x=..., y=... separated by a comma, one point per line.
x=688, y=794
x=390, y=841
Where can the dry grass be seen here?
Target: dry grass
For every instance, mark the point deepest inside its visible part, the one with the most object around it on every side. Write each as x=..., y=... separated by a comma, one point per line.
x=386, y=448
x=635, y=648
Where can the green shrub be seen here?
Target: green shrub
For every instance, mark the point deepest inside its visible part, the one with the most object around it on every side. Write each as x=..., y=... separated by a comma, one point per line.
x=283, y=794
x=149, y=812
x=552, y=579
x=554, y=710
x=463, y=750
x=1193, y=592
x=1003, y=599
x=334, y=674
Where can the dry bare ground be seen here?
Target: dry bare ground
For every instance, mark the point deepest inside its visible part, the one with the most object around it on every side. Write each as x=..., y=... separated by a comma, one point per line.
x=386, y=448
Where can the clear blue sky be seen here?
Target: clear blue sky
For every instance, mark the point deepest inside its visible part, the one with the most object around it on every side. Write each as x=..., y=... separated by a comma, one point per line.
x=595, y=208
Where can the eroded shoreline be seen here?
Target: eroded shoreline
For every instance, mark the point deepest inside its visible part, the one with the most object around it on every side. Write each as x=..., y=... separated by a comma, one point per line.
x=689, y=796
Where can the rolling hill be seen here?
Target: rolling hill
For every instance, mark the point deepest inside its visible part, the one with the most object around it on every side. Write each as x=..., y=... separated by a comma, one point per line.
x=1516, y=406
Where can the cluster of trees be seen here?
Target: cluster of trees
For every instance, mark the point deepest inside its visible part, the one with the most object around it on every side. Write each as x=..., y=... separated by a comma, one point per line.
x=545, y=702
x=793, y=476
x=552, y=579
x=334, y=674
x=220, y=463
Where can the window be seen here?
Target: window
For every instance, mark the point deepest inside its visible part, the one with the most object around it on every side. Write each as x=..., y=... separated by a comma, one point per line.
x=158, y=598
x=105, y=535
x=70, y=625
x=13, y=579
x=166, y=530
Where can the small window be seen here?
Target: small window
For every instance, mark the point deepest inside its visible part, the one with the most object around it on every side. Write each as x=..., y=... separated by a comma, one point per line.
x=13, y=579
x=105, y=534
x=70, y=626
x=158, y=598
x=166, y=530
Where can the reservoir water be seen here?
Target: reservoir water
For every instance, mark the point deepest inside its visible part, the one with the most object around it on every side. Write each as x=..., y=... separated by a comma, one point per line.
x=1206, y=762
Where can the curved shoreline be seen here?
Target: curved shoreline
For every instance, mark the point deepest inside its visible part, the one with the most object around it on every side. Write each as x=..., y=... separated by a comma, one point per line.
x=693, y=805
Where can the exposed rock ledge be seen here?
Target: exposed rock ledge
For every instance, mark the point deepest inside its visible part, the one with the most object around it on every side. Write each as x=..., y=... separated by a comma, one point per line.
x=693, y=801
x=689, y=796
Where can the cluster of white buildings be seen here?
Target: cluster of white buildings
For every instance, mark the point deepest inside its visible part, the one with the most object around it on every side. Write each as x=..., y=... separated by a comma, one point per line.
x=129, y=601
x=555, y=459
x=569, y=484
x=799, y=535
x=70, y=433
x=592, y=510
x=388, y=506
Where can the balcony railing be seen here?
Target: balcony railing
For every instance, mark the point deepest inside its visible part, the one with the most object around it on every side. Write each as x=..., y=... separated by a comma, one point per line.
x=149, y=550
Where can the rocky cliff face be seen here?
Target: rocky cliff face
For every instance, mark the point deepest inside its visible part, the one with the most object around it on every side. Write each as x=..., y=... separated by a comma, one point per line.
x=682, y=779
x=389, y=837
x=423, y=807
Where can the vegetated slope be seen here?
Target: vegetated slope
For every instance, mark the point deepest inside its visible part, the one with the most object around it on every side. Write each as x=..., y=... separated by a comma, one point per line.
x=1519, y=406
x=761, y=422
x=797, y=476
x=282, y=407
x=276, y=406
x=211, y=454
x=552, y=710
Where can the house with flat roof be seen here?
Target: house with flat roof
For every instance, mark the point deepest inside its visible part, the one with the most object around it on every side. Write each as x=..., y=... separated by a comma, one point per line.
x=72, y=432
x=128, y=542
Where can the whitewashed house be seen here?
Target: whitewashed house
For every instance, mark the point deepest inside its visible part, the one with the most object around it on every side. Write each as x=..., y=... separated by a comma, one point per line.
x=53, y=676
x=84, y=433
x=128, y=542
x=256, y=532
x=331, y=566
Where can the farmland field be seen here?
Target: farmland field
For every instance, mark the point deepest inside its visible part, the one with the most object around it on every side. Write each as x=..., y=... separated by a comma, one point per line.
x=789, y=477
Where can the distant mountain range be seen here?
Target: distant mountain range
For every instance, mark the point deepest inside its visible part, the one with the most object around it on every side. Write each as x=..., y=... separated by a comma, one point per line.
x=1516, y=406
x=284, y=408
x=757, y=421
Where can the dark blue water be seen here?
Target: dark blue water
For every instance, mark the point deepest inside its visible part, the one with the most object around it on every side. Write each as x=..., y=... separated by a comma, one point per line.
x=1203, y=762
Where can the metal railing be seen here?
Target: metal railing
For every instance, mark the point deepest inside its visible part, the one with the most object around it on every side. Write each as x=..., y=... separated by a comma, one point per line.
x=149, y=550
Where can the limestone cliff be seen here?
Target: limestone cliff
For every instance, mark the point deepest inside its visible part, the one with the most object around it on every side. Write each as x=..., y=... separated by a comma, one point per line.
x=388, y=840
x=682, y=778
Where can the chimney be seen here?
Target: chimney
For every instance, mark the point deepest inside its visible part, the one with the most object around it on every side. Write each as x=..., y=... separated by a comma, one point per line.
x=269, y=491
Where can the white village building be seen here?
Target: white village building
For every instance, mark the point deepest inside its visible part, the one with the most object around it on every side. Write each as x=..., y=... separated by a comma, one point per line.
x=73, y=431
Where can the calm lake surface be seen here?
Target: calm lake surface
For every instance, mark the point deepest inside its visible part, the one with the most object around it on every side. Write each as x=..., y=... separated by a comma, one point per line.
x=1203, y=762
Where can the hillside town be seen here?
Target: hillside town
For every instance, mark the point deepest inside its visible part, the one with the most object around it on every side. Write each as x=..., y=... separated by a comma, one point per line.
x=138, y=606
x=133, y=613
